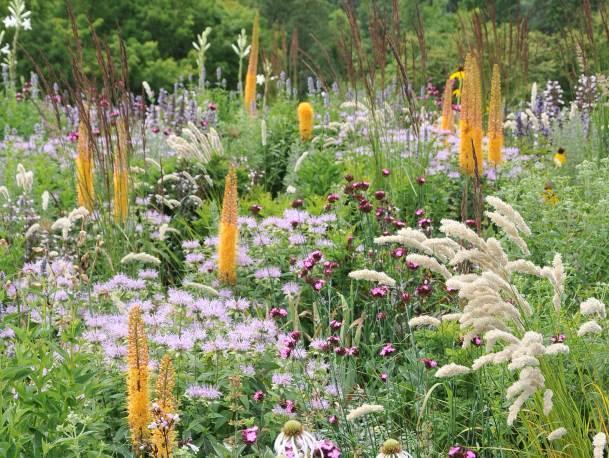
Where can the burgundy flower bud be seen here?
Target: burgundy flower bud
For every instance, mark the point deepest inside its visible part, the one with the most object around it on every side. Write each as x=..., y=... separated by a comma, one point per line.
x=335, y=325
x=316, y=255
x=405, y=297
x=419, y=212
x=340, y=351
x=470, y=222
x=255, y=209
x=381, y=316
x=412, y=265
x=333, y=340
x=421, y=180
x=333, y=198
x=295, y=335
x=365, y=206
x=297, y=203
x=379, y=195
x=333, y=420
x=349, y=178
x=398, y=252
x=399, y=224
x=386, y=172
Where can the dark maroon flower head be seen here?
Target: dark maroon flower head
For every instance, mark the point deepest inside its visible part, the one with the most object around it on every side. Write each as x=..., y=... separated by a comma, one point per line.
x=389, y=219
x=285, y=352
x=295, y=335
x=381, y=316
x=419, y=212
x=318, y=284
x=348, y=178
x=424, y=289
x=387, y=350
x=297, y=203
x=424, y=223
x=379, y=291
x=334, y=324
x=379, y=195
x=399, y=224
x=255, y=209
x=333, y=340
x=398, y=252
x=203, y=123
x=460, y=452
x=405, y=297
x=277, y=312
x=386, y=172
x=250, y=435
x=212, y=106
x=333, y=198
x=412, y=265
x=316, y=255
x=340, y=351
x=353, y=351
x=470, y=222
x=365, y=206
x=258, y=396
x=333, y=419
x=421, y=180
x=384, y=377
x=429, y=363
x=155, y=129
x=560, y=338
x=477, y=341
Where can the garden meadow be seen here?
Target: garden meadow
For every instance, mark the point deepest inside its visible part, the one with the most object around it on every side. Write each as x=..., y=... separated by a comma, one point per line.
x=283, y=265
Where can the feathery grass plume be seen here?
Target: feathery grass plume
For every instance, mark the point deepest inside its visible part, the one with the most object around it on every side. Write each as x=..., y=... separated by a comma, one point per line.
x=249, y=96
x=137, y=378
x=495, y=120
x=305, y=120
x=372, y=275
x=447, y=107
x=227, y=245
x=164, y=440
x=364, y=409
x=471, y=118
x=121, y=172
x=84, y=168
x=599, y=442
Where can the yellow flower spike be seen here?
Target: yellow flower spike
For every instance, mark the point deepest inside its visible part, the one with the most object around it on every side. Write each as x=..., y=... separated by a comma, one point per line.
x=471, y=119
x=165, y=399
x=229, y=231
x=138, y=406
x=84, y=168
x=121, y=172
x=249, y=95
x=305, y=120
x=495, y=120
x=447, y=107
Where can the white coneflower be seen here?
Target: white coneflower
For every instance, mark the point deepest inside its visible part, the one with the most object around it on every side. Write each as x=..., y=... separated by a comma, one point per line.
x=144, y=258
x=452, y=370
x=547, y=402
x=599, y=442
x=4, y=192
x=392, y=449
x=592, y=306
x=429, y=263
x=364, y=409
x=32, y=230
x=45, y=200
x=589, y=327
x=557, y=434
x=295, y=440
x=424, y=320
x=372, y=275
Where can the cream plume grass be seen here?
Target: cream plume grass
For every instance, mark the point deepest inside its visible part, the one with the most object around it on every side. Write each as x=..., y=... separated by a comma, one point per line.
x=589, y=327
x=372, y=275
x=363, y=410
x=424, y=320
x=137, y=379
x=430, y=264
x=547, y=402
x=144, y=258
x=508, y=211
x=593, y=306
x=452, y=370
x=557, y=434
x=599, y=442
x=229, y=231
